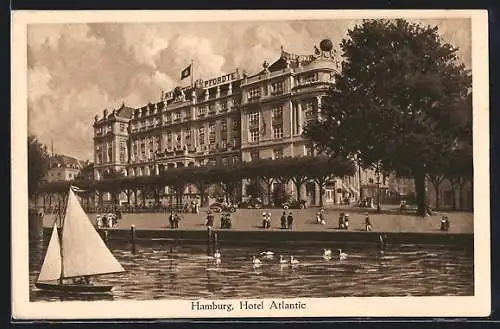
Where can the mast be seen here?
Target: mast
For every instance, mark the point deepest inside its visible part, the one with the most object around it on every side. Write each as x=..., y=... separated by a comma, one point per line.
x=61, y=239
x=192, y=73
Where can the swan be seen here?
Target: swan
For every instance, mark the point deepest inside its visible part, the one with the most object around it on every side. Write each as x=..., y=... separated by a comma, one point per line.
x=282, y=260
x=267, y=253
x=293, y=261
x=217, y=261
x=342, y=255
x=217, y=254
x=255, y=260
x=327, y=253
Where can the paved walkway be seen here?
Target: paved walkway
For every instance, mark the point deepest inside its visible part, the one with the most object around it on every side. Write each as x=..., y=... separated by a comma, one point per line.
x=304, y=220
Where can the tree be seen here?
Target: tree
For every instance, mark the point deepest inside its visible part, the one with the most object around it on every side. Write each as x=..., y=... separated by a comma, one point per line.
x=254, y=188
x=38, y=163
x=460, y=171
x=396, y=100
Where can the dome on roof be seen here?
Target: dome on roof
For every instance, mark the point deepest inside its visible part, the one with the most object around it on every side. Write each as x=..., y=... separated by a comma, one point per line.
x=326, y=45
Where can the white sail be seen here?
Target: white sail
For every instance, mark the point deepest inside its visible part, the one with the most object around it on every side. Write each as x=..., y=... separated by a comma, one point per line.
x=83, y=250
x=51, y=268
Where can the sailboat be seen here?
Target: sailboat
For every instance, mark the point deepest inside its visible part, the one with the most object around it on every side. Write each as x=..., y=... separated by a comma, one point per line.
x=76, y=251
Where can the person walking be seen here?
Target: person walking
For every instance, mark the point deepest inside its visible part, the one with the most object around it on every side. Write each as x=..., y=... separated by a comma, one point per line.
x=283, y=220
x=210, y=219
x=171, y=218
x=98, y=221
x=177, y=219
x=346, y=221
x=289, y=221
x=341, y=221
x=368, y=224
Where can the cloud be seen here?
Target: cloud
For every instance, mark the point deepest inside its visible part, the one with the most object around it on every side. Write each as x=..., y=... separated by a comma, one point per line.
x=77, y=70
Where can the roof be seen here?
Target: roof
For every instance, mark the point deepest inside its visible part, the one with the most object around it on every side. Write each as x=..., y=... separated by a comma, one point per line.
x=64, y=161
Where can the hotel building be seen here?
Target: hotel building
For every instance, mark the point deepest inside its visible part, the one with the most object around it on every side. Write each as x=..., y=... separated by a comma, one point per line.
x=231, y=118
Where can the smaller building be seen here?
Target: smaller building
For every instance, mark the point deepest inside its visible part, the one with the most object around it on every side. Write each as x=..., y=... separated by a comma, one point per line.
x=63, y=168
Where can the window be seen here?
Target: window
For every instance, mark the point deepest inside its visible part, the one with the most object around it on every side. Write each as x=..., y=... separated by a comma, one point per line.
x=169, y=140
x=277, y=88
x=211, y=129
x=223, y=105
x=310, y=110
x=201, y=135
x=277, y=153
x=211, y=108
x=254, y=155
x=223, y=130
x=143, y=149
x=254, y=135
x=110, y=154
x=277, y=113
x=236, y=124
x=123, y=152
x=236, y=141
x=253, y=119
x=187, y=137
x=309, y=78
x=176, y=116
x=122, y=127
x=99, y=158
x=200, y=111
x=277, y=132
x=167, y=117
x=254, y=93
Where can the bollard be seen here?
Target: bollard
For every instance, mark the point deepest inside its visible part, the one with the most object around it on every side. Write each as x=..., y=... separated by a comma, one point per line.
x=209, y=237
x=105, y=238
x=132, y=237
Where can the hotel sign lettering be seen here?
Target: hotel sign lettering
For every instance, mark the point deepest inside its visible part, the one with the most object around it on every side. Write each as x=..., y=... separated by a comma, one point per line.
x=206, y=83
x=219, y=80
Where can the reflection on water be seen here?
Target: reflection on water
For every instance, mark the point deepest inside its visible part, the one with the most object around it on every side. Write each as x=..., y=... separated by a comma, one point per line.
x=169, y=270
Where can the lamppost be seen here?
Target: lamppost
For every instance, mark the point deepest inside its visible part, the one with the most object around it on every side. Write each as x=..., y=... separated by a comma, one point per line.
x=378, y=188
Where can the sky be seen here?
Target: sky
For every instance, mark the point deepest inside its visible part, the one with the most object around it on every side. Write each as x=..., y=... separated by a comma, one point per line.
x=75, y=71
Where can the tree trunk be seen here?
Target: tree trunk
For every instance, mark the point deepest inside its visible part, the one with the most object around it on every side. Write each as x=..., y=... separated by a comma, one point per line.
x=321, y=187
x=453, y=197
x=419, y=178
x=461, y=193
x=436, y=191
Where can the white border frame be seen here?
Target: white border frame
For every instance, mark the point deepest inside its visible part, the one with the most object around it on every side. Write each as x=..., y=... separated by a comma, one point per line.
x=477, y=305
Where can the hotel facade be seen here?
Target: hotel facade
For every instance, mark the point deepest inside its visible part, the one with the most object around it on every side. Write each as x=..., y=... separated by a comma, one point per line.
x=227, y=119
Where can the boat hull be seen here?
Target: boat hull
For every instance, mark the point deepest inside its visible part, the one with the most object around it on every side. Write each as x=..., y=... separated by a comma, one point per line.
x=73, y=288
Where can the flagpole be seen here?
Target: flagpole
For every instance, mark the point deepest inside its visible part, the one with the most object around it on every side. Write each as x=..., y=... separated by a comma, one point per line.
x=192, y=73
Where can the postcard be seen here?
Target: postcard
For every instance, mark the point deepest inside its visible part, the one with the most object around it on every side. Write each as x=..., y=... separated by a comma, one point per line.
x=225, y=164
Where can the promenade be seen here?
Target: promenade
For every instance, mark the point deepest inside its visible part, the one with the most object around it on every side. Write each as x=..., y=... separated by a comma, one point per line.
x=389, y=221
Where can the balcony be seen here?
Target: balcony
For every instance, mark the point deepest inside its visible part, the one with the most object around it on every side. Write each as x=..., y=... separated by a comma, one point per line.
x=254, y=98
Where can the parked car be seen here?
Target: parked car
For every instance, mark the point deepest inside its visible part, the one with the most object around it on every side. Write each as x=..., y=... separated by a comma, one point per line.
x=294, y=204
x=252, y=203
x=222, y=206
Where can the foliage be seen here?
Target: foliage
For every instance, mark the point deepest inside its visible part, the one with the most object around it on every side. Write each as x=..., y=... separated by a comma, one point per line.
x=38, y=162
x=396, y=100
x=254, y=188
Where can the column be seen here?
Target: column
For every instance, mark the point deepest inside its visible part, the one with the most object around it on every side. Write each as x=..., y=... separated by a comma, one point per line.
x=217, y=94
x=299, y=118
x=230, y=89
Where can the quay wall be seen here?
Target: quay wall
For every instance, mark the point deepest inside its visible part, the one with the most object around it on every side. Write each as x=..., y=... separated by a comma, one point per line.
x=285, y=236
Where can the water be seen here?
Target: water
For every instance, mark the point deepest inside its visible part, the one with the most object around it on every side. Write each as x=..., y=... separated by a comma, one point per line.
x=169, y=270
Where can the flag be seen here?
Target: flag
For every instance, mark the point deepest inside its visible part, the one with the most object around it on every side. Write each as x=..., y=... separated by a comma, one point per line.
x=186, y=72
